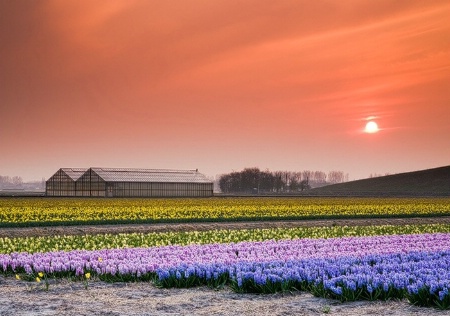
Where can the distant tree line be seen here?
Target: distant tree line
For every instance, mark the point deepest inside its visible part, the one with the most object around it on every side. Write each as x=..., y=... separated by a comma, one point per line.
x=255, y=181
x=16, y=182
x=7, y=181
x=376, y=175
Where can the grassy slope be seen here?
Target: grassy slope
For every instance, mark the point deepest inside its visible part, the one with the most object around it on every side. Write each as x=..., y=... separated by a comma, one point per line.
x=430, y=182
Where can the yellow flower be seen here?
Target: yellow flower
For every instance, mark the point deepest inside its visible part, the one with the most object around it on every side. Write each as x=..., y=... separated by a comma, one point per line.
x=38, y=279
x=100, y=259
x=41, y=275
x=87, y=275
x=17, y=277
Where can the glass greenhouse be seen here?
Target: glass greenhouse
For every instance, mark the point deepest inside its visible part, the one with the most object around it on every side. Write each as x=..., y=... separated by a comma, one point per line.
x=113, y=182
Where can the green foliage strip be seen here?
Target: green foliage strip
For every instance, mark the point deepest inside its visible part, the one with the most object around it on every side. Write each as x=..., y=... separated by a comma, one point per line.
x=112, y=241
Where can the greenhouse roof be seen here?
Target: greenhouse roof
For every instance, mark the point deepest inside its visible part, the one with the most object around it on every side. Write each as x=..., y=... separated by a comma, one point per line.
x=150, y=175
x=74, y=173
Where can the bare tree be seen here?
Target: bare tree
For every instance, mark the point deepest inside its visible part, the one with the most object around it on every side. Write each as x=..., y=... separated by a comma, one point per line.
x=336, y=177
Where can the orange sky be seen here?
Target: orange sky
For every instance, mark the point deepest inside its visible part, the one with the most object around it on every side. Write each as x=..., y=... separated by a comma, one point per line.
x=223, y=85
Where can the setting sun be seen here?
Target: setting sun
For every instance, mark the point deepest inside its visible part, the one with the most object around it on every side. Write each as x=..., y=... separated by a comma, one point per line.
x=371, y=127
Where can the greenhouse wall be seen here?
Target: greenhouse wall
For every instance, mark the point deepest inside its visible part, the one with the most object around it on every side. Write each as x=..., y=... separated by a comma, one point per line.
x=60, y=184
x=149, y=189
x=90, y=184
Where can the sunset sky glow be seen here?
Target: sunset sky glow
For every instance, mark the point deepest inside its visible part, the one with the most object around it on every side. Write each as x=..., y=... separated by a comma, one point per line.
x=224, y=85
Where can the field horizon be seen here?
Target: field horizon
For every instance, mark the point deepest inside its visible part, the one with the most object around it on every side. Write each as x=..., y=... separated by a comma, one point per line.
x=433, y=182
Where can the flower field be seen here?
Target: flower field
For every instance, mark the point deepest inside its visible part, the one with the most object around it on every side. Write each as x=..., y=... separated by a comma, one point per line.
x=38, y=212
x=133, y=240
x=346, y=263
x=416, y=266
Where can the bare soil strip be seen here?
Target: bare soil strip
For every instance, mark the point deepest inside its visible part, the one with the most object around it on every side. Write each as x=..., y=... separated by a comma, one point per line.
x=141, y=298
x=148, y=228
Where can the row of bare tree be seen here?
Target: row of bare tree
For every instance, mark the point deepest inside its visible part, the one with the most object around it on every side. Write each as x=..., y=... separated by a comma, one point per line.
x=7, y=181
x=253, y=180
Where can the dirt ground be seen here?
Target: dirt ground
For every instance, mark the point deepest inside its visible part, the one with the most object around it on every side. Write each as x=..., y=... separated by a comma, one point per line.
x=72, y=298
x=147, y=228
x=100, y=298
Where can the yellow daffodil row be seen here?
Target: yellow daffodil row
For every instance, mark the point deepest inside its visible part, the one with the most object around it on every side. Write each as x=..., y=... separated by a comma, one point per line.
x=109, y=241
x=51, y=210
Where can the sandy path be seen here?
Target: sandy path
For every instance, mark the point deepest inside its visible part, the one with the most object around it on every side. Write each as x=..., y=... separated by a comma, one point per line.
x=145, y=228
x=68, y=298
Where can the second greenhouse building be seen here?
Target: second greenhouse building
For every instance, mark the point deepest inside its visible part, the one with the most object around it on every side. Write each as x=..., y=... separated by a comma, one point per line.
x=114, y=182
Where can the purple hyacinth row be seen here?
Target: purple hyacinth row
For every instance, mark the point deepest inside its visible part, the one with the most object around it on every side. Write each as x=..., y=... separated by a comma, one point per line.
x=139, y=261
x=402, y=271
x=422, y=277
x=398, y=266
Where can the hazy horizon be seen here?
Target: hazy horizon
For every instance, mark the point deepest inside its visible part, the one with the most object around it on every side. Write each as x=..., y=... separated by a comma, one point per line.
x=223, y=85
x=216, y=176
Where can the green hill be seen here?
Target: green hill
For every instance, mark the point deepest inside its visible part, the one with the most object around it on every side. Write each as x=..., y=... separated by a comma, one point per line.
x=430, y=182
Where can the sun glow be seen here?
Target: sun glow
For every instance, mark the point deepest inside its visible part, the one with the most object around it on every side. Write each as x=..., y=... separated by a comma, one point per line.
x=371, y=127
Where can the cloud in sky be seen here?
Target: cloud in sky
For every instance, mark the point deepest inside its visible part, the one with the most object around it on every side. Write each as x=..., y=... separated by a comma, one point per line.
x=222, y=85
